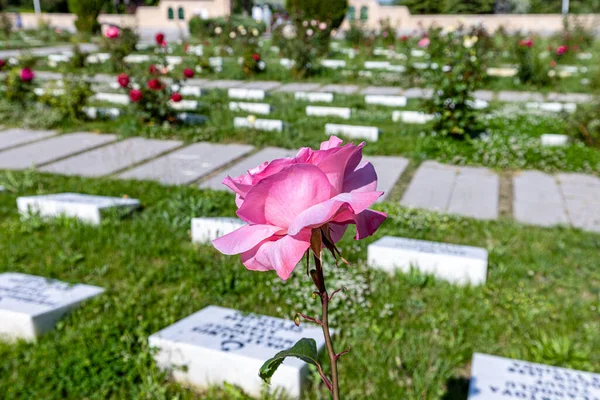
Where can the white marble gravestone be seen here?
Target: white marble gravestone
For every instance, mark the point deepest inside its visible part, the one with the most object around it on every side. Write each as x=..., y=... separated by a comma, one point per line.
x=174, y=60
x=376, y=64
x=392, y=101
x=116, y=98
x=246, y=94
x=341, y=112
x=451, y=262
x=85, y=207
x=136, y=58
x=255, y=108
x=274, y=125
x=498, y=378
x=183, y=105
x=208, y=229
x=188, y=90
x=322, y=97
x=554, y=140
x=218, y=345
x=411, y=117
x=353, y=131
x=333, y=64
x=31, y=305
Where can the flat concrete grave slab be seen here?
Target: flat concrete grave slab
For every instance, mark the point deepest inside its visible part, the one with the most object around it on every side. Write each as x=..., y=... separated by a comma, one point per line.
x=476, y=193
x=370, y=133
x=54, y=148
x=299, y=87
x=218, y=345
x=537, y=199
x=15, y=137
x=412, y=117
x=414, y=93
x=264, y=85
x=207, y=229
x=389, y=170
x=32, y=305
x=431, y=187
x=514, y=96
x=451, y=262
x=554, y=140
x=486, y=95
x=340, y=89
x=582, y=199
x=188, y=164
x=242, y=167
x=84, y=207
x=570, y=97
x=381, y=91
x=498, y=378
x=112, y=158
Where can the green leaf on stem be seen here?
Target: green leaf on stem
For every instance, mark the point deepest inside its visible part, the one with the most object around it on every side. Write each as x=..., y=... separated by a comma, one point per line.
x=305, y=349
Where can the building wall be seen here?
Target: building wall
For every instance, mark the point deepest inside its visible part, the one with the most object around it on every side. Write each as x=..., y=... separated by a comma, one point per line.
x=401, y=18
x=145, y=17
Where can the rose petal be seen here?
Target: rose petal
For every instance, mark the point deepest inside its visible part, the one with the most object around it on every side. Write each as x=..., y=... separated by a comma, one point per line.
x=367, y=222
x=324, y=212
x=282, y=254
x=363, y=179
x=278, y=199
x=244, y=238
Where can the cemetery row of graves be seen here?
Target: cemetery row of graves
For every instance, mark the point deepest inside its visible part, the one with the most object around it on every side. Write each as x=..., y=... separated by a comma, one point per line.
x=425, y=298
x=516, y=291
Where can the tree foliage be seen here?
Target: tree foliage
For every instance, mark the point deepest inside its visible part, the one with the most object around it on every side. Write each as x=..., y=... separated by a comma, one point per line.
x=331, y=10
x=87, y=12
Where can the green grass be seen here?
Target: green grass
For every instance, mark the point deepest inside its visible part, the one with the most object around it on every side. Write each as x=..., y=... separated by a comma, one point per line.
x=412, y=337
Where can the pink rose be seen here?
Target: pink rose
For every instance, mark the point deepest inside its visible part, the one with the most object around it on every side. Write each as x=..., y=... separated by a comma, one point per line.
x=284, y=200
x=27, y=74
x=526, y=43
x=424, y=42
x=112, y=32
x=560, y=50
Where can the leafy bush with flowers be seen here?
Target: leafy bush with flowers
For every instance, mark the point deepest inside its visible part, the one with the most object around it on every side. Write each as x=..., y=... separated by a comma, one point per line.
x=303, y=41
x=252, y=62
x=532, y=69
x=153, y=92
x=574, y=38
x=388, y=33
x=219, y=28
x=354, y=35
x=19, y=85
x=119, y=43
x=585, y=122
x=462, y=72
x=71, y=103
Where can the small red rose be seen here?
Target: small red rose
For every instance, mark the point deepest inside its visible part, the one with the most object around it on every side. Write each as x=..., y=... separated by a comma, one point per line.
x=188, y=73
x=2, y=64
x=256, y=57
x=153, y=69
x=160, y=38
x=155, y=84
x=135, y=95
x=123, y=80
x=560, y=50
x=176, y=97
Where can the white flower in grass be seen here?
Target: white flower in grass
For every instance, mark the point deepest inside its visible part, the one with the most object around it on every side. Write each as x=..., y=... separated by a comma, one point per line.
x=323, y=26
x=255, y=32
x=218, y=30
x=305, y=24
x=232, y=35
x=309, y=32
x=251, y=119
x=313, y=23
x=262, y=65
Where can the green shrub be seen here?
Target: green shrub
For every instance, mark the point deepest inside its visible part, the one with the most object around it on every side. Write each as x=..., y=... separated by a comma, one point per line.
x=220, y=27
x=462, y=73
x=333, y=11
x=532, y=69
x=5, y=25
x=16, y=89
x=119, y=48
x=87, y=12
x=585, y=123
x=70, y=105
